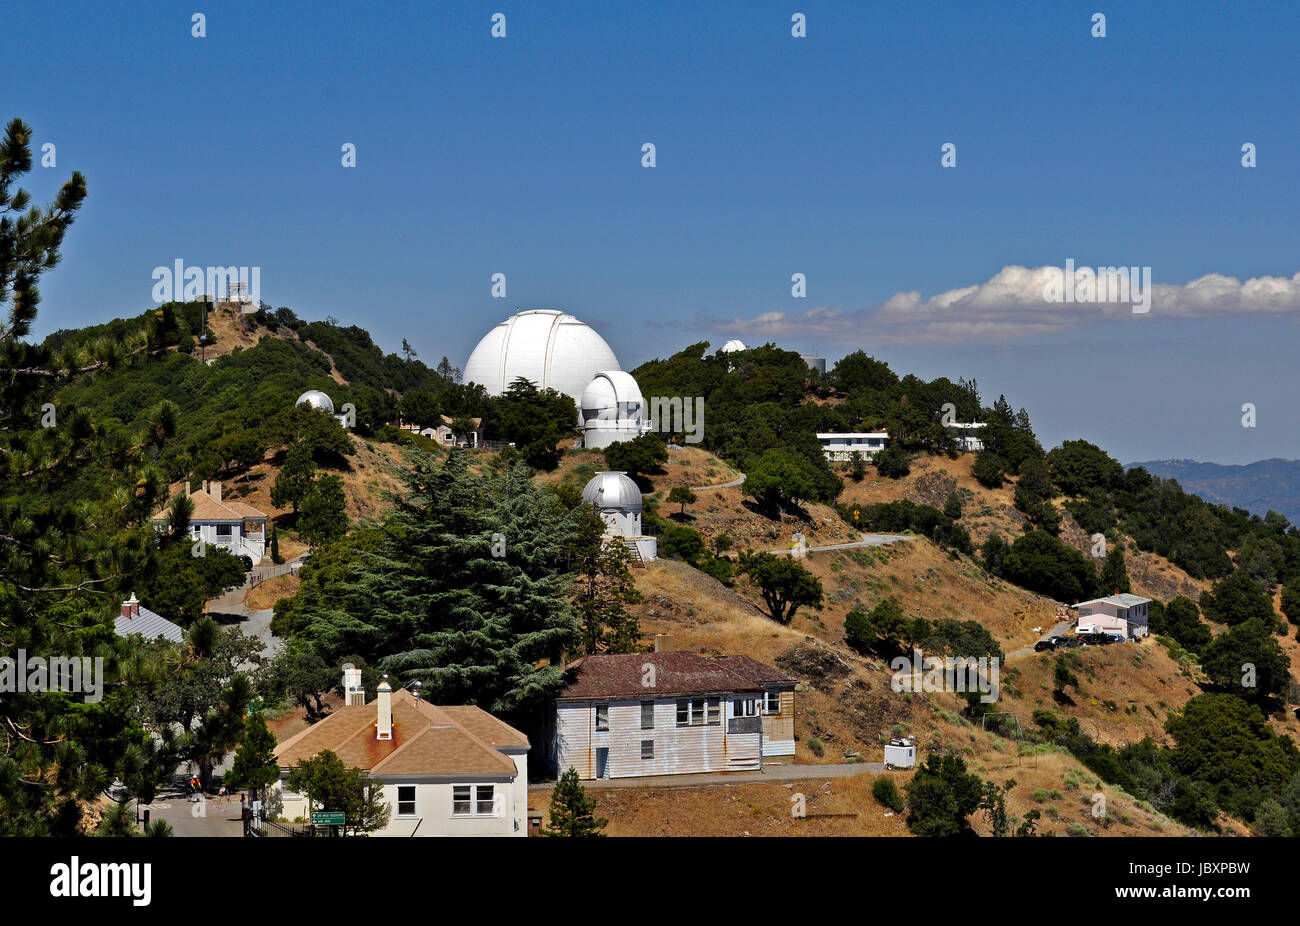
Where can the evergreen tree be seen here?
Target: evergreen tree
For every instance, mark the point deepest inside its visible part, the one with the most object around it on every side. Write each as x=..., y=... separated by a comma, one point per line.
x=275, y=545
x=604, y=587
x=1114, y=573
x=254, y=766
x=294, y=479
x=572, y=812
x=681, y=495
x=324, y=514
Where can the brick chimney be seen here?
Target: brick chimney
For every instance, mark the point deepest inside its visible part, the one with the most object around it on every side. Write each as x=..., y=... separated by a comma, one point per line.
x=663, y=643
x=214, y=489
x=384, y=722
x=131, y=607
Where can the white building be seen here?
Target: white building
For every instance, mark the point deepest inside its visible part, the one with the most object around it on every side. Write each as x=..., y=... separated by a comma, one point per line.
x=1119, y=613
x=840, y=447
x=966, y=434
x=618, y=500
x=445, y=771
x=551, y=349
x=611, y=410
x=224, y=523
x=668, y=713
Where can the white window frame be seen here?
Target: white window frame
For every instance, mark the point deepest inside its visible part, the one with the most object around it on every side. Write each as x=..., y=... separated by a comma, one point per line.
x=475, y=796
x=700, y=712
x=771, y=697
x=651, y=706
x=602, y=709
x=401, y=800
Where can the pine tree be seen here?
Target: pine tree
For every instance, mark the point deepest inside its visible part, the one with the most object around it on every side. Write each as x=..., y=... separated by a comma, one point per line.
x=572, y=812
x=74, y=498
x=604, y=586
x=254, y=766
x=275, y=545
x=1114, y=573
x=324, y=511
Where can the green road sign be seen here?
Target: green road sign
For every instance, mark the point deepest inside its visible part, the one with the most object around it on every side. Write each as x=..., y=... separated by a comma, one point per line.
x=328, y=818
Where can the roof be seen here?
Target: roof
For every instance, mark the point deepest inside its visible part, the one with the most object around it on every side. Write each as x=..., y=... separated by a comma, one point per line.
x=207, y=508
x=1123, y=600
x=830, y=435
x=549, y=347
x=427, y=740
x=612, y=490
x=675, y=673
x=149, y=625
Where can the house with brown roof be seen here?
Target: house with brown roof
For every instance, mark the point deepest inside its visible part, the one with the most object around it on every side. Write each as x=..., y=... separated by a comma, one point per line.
x=671, y=713
x=445, y=770
x=222, y=522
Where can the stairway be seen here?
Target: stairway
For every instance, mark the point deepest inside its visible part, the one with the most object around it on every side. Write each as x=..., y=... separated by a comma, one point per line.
x=637, y=561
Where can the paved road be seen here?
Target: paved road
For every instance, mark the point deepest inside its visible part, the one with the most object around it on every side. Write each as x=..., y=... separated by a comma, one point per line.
x=215, y=816
x=868, y=540
x=707, y=779
x=1057, y=631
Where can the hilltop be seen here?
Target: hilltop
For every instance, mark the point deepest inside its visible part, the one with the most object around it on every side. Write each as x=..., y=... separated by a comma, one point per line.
x=1260, y=487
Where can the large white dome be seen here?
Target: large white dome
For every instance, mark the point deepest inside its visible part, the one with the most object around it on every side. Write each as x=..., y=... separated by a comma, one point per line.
x=550, y=348
x=735, y=344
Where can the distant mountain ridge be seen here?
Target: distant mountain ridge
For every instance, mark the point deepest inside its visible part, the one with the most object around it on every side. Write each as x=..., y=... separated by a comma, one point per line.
x=1257, y=487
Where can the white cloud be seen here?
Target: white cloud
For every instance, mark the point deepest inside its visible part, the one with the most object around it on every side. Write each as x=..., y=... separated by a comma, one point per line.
x=1011, y=305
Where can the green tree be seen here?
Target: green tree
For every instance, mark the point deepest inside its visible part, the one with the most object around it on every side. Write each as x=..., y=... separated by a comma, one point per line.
x=254, y=767
x=1034, y=493
x=952, y=505
x=1248, y=661
x=1082, y=469
x=534, y=420
x=681, y=495
x=1237, y=598
x=994, y=553
x=331, y=785
x=886, y=794
x=1114, y=573
x=640, y=456
x=1041, y=563
x=324, y=511
x=1291, y=600
x=780, y=479
x=989, y=470
x=603, y=587
x=1182, y=621
x=294, y=479
x=892, y=462
x=784, y=584
x=857, y=466
x=941, y=796
x=275, y=546
x=572, y=813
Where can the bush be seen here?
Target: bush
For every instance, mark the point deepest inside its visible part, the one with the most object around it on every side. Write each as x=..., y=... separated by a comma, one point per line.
x=816, y=747
x=886, y=794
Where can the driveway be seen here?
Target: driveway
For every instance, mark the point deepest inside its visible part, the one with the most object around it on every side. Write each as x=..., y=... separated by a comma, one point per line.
x=707, y=779
x=1057, y=631
x=868, y=540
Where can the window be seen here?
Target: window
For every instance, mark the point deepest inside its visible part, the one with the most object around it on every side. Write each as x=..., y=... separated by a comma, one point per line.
x=406, y=800
x=223, y=530
x=647, y=749
x=696, y=712
x=647, y=715
x=473, y=800
x=771, y=702
x=602, y=716
x=744, y=707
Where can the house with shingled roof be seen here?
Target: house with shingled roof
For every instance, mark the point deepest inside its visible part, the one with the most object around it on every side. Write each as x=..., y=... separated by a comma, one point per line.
x=223, y=522
x=671, y=713
x=445, y=770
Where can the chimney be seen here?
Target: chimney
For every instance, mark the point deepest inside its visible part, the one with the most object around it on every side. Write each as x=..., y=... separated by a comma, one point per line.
x=205, y=485
x=663, y=643
x=384, y=723
x=353, y=693
x=131, y=607
x=214, y=489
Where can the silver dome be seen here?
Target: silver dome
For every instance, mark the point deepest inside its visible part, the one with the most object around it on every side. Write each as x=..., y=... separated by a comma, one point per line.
x=612, y=490
x=316, y=399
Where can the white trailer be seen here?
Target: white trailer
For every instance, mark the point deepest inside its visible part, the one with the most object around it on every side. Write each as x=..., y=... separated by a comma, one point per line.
x=900, y=753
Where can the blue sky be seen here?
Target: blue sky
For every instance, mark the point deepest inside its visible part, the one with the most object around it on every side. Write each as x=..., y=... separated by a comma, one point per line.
x=775, y=155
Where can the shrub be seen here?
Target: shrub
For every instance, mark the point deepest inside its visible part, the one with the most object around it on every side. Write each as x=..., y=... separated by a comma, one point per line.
x=886, y=794
x=816, y=747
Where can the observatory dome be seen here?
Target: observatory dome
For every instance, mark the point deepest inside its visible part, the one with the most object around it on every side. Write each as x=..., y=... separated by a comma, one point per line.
x=612, y=396
x=611, y=490
x=550, y=348
x=732, y=346
x=316, y=399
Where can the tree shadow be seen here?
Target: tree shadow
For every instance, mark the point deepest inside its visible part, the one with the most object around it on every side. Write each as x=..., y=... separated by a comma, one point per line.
x=1060, y=697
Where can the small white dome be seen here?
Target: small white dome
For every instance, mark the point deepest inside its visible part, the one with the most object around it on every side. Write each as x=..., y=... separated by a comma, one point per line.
x=612, y=396
x=316, y=399
x=612, y=490
x=733, y=345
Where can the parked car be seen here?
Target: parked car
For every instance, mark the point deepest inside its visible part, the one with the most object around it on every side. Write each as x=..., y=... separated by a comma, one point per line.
x=1068, y=642
x=247, y=561
x=1044, y=644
